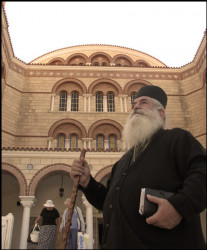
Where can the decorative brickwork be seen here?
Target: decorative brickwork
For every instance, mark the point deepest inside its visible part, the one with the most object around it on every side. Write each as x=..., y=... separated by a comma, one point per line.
x=41, y=174
x=109, y=127
x=72, y=126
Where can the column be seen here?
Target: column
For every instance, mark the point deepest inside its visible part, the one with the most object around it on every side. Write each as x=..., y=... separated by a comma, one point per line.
x=121, y=103
x=52, y=102
x=89, y=222
x=49, y=141
x=84, y=143
x=84, y=100
x=69, y=103
x=67, y=143
x=27, y=203
x=106, y=144
x=89, y=142
x=125, y=103
x=89, y=103
x=104, y=103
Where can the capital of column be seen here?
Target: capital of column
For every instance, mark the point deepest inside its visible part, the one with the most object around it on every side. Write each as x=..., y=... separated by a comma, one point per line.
x=85, y=202
x=87, y=139
x=49, y=138
x=123, y=96
x=87, y=95
x=53, y=95
x=27, y=201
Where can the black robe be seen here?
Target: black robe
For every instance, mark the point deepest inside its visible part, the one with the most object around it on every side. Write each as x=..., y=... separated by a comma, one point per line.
x=173, y=161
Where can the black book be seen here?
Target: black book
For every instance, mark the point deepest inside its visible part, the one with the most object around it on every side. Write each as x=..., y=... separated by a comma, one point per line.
x=148, y=208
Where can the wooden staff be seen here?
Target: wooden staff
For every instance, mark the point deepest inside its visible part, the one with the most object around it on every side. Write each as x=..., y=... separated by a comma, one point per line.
x=72, y=203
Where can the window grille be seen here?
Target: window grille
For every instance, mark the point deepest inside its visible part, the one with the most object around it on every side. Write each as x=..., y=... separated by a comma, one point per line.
x=99, y=102
x=63, y=101
x=110, y=102
x=73, y=141
x=74, y=101
x=61, y=141
x=100, y=142
x=112, y=142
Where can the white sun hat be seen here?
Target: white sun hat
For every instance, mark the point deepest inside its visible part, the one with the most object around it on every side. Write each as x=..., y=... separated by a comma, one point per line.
x=49, y=203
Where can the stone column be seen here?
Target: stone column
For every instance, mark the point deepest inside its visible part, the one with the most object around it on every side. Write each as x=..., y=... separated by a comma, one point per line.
x=121, y=102
x=27, y=203
x=69, y=103
x=125, y=103
x=49, y=140
x=52, y=102
x=67, y=143
x=84, y=101
x=89, y=103
x=104, y=103
x=89, y=222
x=84, y=143
x=106, y=144
x=89, y=142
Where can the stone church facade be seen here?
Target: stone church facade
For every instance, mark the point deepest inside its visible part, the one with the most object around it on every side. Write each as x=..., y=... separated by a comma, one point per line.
x=79, y=97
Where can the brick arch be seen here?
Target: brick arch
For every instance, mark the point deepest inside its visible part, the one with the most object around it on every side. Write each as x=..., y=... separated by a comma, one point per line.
x=67, y=121
x=102, y=173
x=59, y=59
x=44, y=172
x=77, y=55
x=125, y=57
x=142, y=62
x=6, y=167
x=110, y=125
x=115, y=87
x=134, y=86
x=81, y=86
x=100, y=54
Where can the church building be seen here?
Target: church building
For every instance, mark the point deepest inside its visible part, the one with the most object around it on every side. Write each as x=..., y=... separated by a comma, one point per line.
x=80, y=97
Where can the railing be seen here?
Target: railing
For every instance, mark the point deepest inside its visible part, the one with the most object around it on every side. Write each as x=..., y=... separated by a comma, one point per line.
x=7, y=223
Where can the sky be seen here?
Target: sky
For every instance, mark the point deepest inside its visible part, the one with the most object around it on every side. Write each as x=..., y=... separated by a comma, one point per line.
x=168, y=31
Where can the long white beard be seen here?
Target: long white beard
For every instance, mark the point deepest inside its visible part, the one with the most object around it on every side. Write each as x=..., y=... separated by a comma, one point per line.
x=140, y=127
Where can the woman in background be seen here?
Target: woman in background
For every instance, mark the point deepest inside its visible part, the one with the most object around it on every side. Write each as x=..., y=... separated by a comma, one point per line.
x=77, y=224
x=48, y=219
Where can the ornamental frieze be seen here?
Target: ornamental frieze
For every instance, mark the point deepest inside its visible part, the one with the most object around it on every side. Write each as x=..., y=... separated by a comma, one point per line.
x=105, y=74
x=109, y=74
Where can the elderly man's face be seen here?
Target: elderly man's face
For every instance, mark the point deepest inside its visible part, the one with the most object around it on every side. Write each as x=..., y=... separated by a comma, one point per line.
x=144, y=120
x=143, y=102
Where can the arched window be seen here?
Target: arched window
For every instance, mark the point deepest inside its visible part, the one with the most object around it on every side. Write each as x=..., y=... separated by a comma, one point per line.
x=63, y=101
x=100, y=142
x=112, y=142
x=104, y=64
x=133, y=94
x=74, y=101
x=99, y=102
x=61, y=141
x=74, y=141
x=96, y=64
x=110, y=102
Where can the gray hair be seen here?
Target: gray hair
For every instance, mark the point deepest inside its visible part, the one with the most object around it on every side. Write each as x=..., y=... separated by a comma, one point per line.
x=159, y=106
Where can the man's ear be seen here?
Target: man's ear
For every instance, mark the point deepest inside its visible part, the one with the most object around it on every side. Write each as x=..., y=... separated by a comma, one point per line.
x=162, y=113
